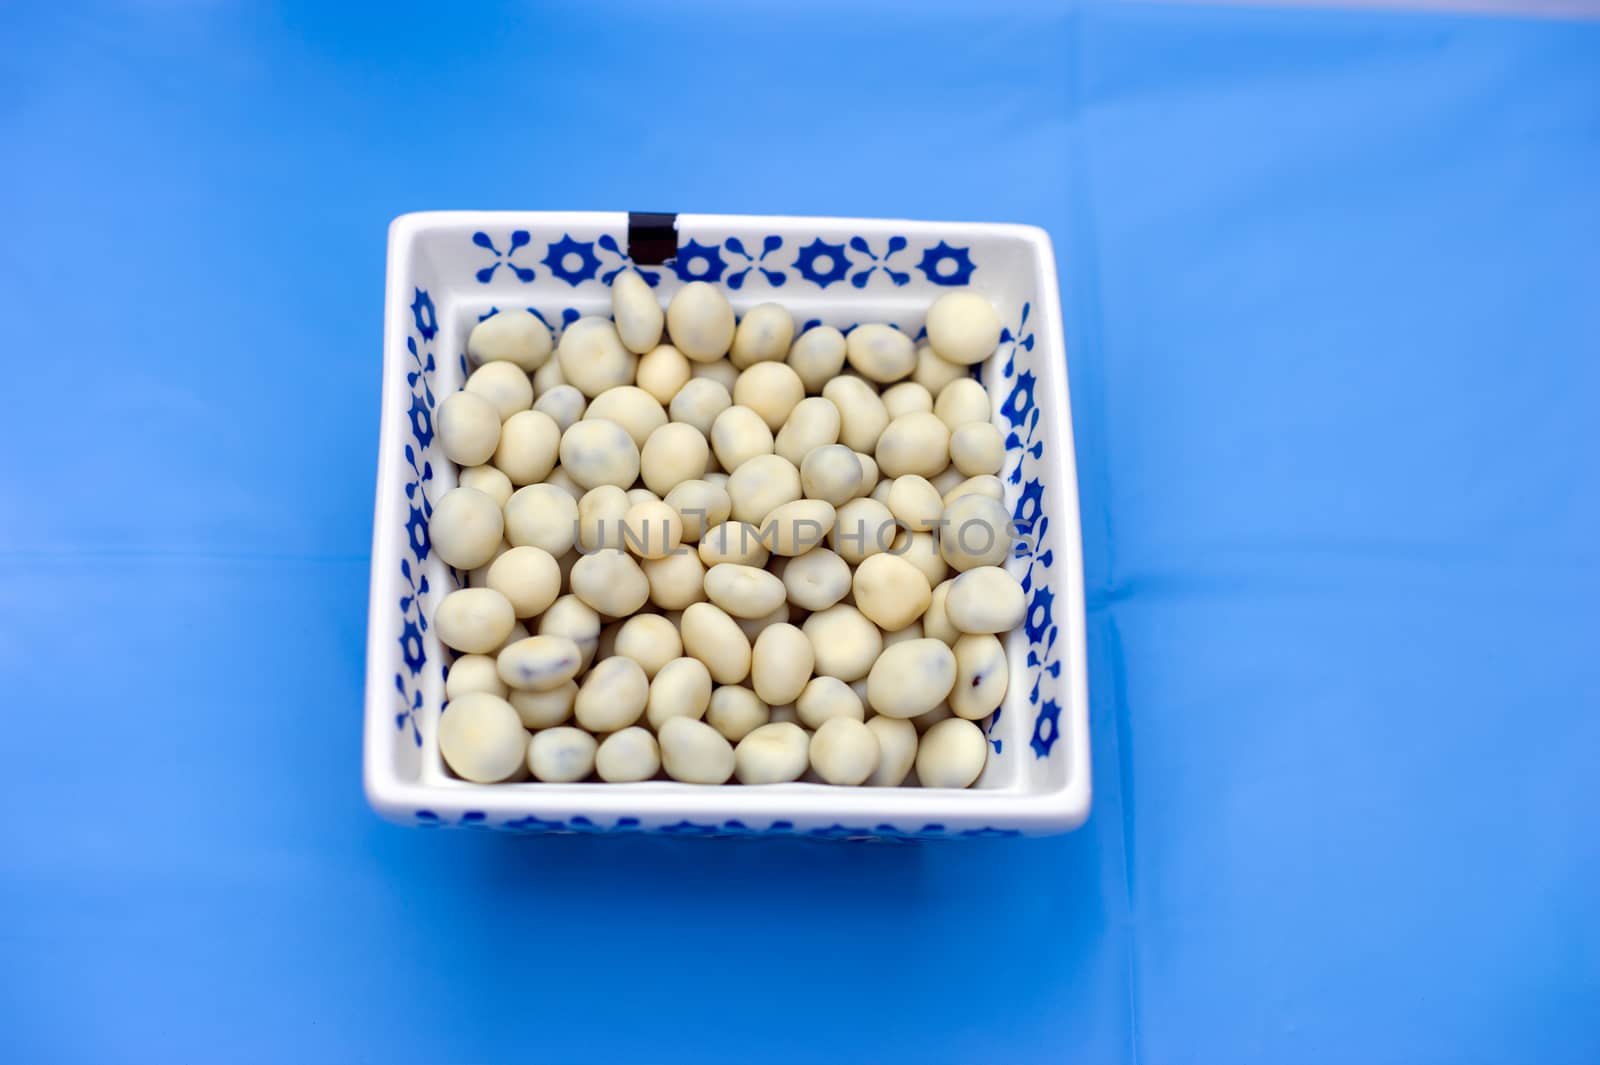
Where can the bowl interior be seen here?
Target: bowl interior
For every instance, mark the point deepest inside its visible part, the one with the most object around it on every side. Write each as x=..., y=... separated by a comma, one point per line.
x=452, y=272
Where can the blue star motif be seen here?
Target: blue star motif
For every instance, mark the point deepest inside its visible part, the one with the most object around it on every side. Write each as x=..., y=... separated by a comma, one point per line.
x=1030, y=504
x=1046, y=729
x=1039, y=613
x=422, y=311
x=411, y=647
x=822, y=263
x=519, y=239
x=944, y=265
x=421, y=421
x=699, y=262
x=417, y=527
x=573, y=261
x=1020, y=400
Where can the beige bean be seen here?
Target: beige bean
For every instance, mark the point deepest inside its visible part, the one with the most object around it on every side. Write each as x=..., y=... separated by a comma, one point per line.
x=676, y=580
x=907, y=397
x=700, y=505
x=564, y=404
x=694, y=752
x=775, y=753
x=963, y=327
x=862, y=416
x=844, y=751
x=547, y=377
x=986, y=599
x=596, y=452
x=951, y=754
x=816, y=579
x=627, y=756
x=889, y=591
x=976, y=532
x=466, y=528
x=827, y=697
x=961, y=402
x=831, y=473
x=915, y=503
x=488, y=480
x=763, y=335
x=982, y=485
x=674, y=453
x=760, y=484
x=593, y=358
x=700, y=321
x=473, y=673
x=650, y=640
x=977, y=448
x=780, y=664
x=721, y=371
x=735, y=712
x=817, y=355
x=922, y=551
x=504, y=384
x=481, y=738
x=897, y=750
x=914, y=443
x=638, y=316
x=798, y=526
x=771, y=389
x=933, y=373
x=880, y=352
x=528, y=577
x=813, y=423
x=612, y=695
x=911, y=678
x=545, y=709
x=561, y=755
x=981, y=677
x=843, y=642
x=539, y=663
x=699, y=402
x=630, y=407
x=473, y=620
x=528, y=445
x=611, y=582
x=469, y=428
x=862, y=527
x=681, y=688
x=651, y=529
x=712, y=636
x=663, y=372
x=733, y=541
x=738, y=435
x=514, y=336
x=571, y=617
x=601, y=513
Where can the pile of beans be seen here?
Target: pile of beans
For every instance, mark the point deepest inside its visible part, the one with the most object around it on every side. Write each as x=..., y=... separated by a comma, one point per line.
x=734, y=554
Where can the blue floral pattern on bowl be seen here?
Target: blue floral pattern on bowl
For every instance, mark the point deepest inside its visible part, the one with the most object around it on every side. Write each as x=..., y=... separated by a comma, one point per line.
x=778, y=261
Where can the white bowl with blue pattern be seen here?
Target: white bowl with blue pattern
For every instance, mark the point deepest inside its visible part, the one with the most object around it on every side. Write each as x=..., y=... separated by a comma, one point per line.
x=448, y=270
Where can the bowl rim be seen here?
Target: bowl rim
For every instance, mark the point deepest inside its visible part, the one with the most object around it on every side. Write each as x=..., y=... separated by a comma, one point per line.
x=1044, y=810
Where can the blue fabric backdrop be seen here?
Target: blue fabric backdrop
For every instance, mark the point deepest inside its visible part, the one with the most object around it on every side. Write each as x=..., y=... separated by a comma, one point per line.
x=1330, y=284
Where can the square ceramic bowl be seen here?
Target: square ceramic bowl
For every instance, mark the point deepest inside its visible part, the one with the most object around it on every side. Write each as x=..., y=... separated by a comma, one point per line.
x=449, y=270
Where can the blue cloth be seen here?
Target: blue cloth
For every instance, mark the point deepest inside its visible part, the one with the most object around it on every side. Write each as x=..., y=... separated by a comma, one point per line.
x=1330, y=292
